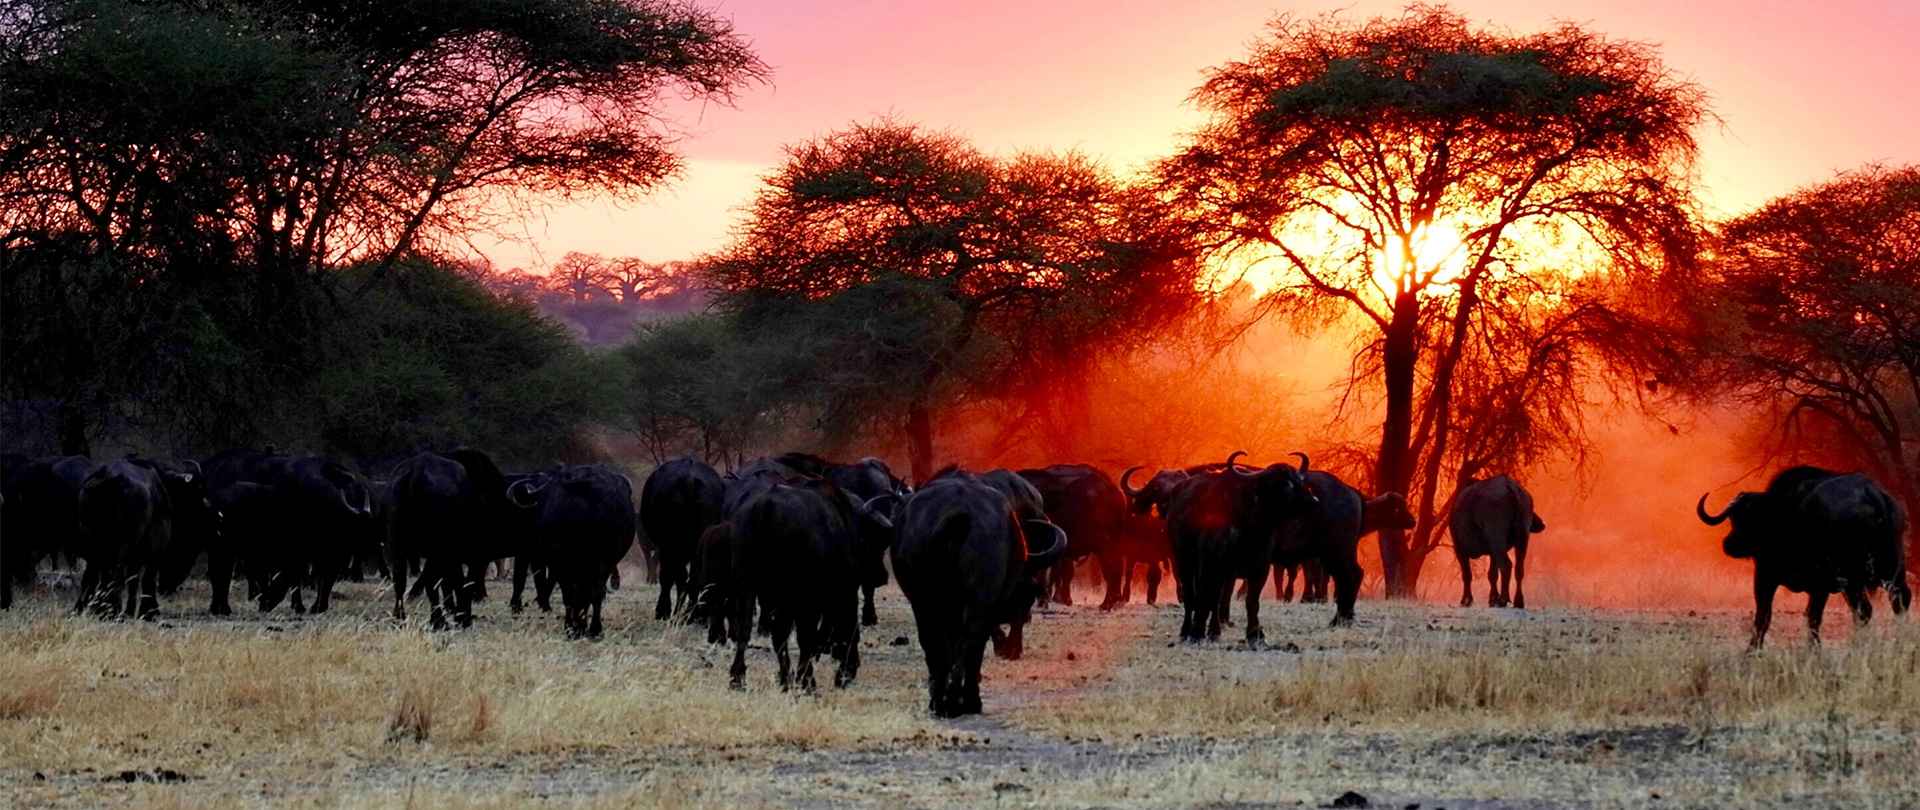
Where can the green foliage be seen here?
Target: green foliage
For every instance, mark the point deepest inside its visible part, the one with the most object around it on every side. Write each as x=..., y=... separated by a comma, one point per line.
x=431, y=359
x=691, y=386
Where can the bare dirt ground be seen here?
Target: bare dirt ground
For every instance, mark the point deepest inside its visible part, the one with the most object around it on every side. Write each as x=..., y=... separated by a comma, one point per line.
x=1417, y=704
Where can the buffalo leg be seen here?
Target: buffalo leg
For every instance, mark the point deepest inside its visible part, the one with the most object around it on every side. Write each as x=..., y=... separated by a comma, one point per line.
x=976, y=649
x=1862, y=606
x=1346, y=575
x=1762, y=610
x=1061, y=576
x=672, y=575
x=843, y=638
x=1255, y=584
x=807, y=636
x=1494, y=597
x=516, y=604
x=868, y=616
x=1153, y=582
x=543, y=586
x=149, y=593
x=1009, y=646
x=1110, y=570
x=777, y=639
x=1520, y=577
x=1126, y=579
x=1816, y=611
x=6, y=577
x=398, y=566
x=933, y=647
x=742, y=633
x=463, y=593
x=323, y=588
x=436, y=590
x=593, y=624
x=89, y=580
x=1466, y=582
x=1898, y=596
x=220, y=581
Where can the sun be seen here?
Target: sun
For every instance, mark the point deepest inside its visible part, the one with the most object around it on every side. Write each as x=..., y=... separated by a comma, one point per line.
x=1438, y=254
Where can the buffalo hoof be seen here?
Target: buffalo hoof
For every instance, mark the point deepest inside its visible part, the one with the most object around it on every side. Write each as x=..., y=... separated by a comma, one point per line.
x=1341, y=621
x=1466, y=601
x=220, y=610
x=869, y=618
x=1519, y=603
x=516, y=607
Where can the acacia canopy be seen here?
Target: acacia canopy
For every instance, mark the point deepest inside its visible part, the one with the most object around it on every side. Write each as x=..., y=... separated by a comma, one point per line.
x=912, y=272
x=1393, y=173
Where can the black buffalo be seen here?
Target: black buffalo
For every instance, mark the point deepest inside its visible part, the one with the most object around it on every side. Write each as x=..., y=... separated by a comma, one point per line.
x=963, y=556
x=1490, y=517
x=1221, y=526
x=870, y=480
x=1144, y=534
x=312, y=514
x=42, y=517
x=585, y=524
x=438, y=516
x=1328, y=537
x=127, y=509
x=1817, y=532
x=522, y=524
x=1027, y=505
x=680, y=500
x=796, y=550
x=1087, y=504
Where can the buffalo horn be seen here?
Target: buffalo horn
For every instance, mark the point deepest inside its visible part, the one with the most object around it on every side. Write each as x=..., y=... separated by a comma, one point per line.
x=1132, y=491
x=513, y=493
x=1236, y=470
x=1303, y=460
x=1711, y=520
x=1042, y=560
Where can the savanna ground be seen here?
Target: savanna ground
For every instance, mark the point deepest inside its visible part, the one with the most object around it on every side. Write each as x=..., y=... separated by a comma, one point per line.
x=1416, y=704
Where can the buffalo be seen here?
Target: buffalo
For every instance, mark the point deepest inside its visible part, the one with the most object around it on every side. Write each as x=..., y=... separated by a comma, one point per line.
x=1817, y=532
x=1084, y=502
x=967, y=563
x=1489, y=517
x=1328, y=538
x=1144, y=534
x=313, y=515
x=126, y=520
x=871, y=481
x=522, y=524
x=1221, y=526
x=439, y=513
x=795, y=547
x=1027, y=505
x=585, y=522
x=42, y=517
x=680, y=500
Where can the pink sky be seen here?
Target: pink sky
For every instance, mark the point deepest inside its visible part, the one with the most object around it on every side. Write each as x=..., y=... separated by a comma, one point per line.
x=1804, y=89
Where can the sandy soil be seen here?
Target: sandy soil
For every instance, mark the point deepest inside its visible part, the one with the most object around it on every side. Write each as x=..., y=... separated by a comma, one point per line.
x=1423, y=705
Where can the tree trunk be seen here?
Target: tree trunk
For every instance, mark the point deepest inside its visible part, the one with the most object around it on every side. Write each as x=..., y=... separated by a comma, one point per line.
x=73, y=430
x=1400, y=358
x=920, y=441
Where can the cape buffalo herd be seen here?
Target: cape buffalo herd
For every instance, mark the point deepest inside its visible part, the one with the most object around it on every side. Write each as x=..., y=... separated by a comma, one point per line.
x=793, y=546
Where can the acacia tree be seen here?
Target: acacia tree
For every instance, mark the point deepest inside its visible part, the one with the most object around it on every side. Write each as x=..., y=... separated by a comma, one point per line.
x=1389, y=175
x=1813, y=308
x=910, y=272
x=193, y=175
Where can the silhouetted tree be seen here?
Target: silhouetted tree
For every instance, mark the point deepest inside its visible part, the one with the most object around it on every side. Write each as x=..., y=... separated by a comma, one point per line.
x=912, y=272
x=1814, y=309
x=187, y=178
x=1395, y=175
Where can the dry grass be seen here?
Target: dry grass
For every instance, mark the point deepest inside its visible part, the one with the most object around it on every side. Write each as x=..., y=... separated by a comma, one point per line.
x=1415, y=704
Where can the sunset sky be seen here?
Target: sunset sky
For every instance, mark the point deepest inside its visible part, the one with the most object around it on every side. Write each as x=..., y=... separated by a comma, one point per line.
x=1803, y=89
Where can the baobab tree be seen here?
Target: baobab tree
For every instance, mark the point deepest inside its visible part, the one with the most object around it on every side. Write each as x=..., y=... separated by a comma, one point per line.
x=1397, y=176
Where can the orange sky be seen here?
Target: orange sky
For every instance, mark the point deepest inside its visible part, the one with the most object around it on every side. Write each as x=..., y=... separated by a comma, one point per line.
x=1804, y=89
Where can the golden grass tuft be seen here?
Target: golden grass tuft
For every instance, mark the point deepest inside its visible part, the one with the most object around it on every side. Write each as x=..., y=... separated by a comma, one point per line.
x=413, y=714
